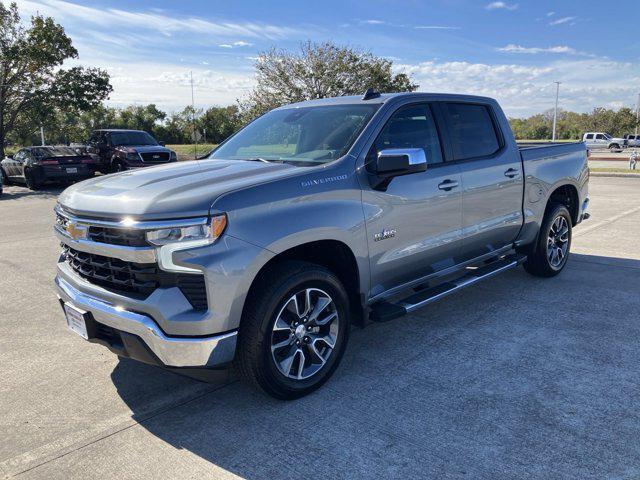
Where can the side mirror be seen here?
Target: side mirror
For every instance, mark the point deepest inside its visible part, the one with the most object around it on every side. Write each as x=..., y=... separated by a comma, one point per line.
x=394, y=162
x=162, y=143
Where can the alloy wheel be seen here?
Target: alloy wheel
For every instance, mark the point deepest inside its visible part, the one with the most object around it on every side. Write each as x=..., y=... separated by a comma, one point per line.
x=558, y=242
x=304, y=334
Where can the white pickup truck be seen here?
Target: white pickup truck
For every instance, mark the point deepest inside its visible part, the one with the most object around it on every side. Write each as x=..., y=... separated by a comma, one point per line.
x=604, y=140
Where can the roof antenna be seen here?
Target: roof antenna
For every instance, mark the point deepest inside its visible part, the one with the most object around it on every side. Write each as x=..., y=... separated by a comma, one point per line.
x=370, y=93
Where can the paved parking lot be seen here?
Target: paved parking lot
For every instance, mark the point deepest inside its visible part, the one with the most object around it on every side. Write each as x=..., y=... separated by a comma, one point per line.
x=518, y=377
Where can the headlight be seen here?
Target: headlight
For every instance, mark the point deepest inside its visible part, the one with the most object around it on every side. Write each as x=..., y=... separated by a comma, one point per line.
x=133, y=156
x=173, y=156
x=190, y=234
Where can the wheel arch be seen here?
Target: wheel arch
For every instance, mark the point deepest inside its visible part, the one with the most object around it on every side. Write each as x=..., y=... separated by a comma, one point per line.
x=334, y=255
x=567, y=195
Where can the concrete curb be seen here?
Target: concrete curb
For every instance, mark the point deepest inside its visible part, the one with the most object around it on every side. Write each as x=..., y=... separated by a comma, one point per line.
x=614, y=174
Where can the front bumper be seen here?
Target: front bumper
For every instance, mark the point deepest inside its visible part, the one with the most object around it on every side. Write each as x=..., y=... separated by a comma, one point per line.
x=170, y=351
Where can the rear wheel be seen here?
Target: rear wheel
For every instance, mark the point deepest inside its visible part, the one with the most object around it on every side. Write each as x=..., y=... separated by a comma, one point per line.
x=294, y=330
x=554, y=242
x=614, y=148
x=118, y=166
x=31, y=180
x=5, y=178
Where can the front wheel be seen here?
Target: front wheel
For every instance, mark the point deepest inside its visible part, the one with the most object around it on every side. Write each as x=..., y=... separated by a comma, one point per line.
x=294, y=330
x=551, y=251
x=615, y=148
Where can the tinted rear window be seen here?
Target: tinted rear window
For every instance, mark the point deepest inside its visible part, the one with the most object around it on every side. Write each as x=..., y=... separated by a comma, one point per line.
x=472, y=130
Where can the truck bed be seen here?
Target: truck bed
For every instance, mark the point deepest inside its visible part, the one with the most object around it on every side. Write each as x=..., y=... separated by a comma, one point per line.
x=526, y=145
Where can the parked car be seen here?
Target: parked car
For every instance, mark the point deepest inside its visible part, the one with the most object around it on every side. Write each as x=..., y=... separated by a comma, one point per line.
x=632, y=140
x=314, y=217
x=119, y=150
x=36, y=165
x=604, y=140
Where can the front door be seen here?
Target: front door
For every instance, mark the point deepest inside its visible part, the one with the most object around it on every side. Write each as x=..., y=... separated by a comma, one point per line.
x=414, y=226
x=491, y=177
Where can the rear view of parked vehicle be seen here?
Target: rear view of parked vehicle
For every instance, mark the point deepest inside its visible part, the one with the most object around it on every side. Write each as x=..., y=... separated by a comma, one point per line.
x=34, y=166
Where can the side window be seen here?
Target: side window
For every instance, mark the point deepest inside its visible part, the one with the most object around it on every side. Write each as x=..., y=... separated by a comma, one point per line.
x=472, y=131
x=589, y=136
x=20, y=156
x=599, y=136
x=411, y=126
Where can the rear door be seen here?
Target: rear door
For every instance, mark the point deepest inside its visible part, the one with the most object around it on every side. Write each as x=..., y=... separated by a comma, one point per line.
x=491, y=178
x=414, y=225
x=601, y=141
x=589, y=140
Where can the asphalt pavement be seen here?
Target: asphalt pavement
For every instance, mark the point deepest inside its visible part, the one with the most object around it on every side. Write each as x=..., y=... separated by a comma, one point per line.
x=517, y=377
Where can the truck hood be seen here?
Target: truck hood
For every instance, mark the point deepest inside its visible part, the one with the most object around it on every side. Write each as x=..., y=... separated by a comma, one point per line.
x=176, y=190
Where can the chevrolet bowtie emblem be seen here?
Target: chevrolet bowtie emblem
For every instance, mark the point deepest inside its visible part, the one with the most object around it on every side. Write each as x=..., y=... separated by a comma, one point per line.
x=75, y=231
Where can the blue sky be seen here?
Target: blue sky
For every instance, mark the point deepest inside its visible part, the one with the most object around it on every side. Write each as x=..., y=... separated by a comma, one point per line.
x=511, y=50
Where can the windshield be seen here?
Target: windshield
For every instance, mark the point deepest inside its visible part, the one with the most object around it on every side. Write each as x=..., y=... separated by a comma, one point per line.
x=132, y=138
x=607, y=136
x=53, y=152
x=306, y=135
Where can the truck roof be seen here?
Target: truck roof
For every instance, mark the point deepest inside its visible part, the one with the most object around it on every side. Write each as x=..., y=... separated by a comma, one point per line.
x=383, y=98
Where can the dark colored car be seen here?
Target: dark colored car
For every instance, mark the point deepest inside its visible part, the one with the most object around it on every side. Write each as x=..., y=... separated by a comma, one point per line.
x=37, y=165
x=119, y=150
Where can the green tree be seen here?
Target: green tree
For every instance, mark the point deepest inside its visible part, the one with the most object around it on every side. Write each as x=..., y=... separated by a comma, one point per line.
x=33, y=87
x=318, y=70
x=219, y=123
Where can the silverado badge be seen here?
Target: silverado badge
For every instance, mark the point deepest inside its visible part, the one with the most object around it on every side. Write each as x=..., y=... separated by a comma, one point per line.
x=385, y=234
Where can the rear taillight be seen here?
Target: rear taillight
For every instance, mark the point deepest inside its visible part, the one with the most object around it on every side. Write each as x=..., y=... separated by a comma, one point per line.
x=87, y=160
x=49, y=161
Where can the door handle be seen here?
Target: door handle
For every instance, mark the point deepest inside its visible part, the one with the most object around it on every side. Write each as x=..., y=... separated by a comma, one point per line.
x=511, y=173
x=448, y=185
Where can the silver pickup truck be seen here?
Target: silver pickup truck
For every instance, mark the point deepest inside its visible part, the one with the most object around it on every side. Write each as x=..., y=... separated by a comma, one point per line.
x=313, y=218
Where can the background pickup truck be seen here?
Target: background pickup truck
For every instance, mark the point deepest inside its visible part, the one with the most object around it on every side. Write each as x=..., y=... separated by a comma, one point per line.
x=119, y=150
x=604, y=140
x=313, y=218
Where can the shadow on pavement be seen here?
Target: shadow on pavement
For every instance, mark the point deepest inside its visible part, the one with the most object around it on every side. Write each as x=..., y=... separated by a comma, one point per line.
x=15, y=192
x=520, y=377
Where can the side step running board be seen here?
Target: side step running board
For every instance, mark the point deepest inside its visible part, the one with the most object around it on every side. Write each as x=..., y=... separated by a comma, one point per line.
x=384, y=311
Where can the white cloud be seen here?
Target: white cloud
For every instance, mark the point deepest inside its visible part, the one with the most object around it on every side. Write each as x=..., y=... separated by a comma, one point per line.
x=374, y=22
x=562, y=20
x=501, y=6
x=524, y=90
x=511, y=48
x=239, y=43
x=550, y=14
x=152, y=20
x=169, y=86
x=435, y=27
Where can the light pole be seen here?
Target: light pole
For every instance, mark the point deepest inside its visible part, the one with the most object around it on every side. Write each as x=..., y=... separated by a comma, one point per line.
x=555, y=112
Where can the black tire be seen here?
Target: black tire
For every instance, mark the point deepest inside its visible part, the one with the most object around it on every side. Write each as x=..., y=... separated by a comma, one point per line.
x=31, y=181
x=118, y=166
x=542, y=262
x=5, y=178
x=614, y=147
x=269, y=301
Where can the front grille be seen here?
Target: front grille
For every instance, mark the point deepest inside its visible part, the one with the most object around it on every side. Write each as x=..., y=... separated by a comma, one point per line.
x=137, y=279
x=155, y=156
x=118, y=236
